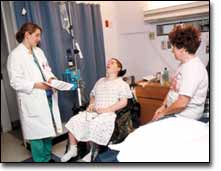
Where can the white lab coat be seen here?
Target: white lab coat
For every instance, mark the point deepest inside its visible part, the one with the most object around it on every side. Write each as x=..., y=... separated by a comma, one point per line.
x=35, y=115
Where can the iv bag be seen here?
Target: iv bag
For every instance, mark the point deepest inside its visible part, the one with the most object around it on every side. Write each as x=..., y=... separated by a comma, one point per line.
x=64, y=17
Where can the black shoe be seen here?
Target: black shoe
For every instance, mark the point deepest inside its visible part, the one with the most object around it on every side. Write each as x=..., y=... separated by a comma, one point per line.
x=52, y=161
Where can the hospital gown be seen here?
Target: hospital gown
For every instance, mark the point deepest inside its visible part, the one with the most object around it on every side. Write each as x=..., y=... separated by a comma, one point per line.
x=98, y=128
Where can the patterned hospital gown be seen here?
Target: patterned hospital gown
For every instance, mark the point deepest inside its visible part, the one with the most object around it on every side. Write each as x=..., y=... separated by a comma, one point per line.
x=98, y=128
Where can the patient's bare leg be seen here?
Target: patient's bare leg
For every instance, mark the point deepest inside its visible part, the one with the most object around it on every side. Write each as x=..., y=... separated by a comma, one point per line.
x=72, y=152
x=72, y=139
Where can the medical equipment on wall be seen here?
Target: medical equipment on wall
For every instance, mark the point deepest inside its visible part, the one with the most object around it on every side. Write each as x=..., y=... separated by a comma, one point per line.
x=71, y=74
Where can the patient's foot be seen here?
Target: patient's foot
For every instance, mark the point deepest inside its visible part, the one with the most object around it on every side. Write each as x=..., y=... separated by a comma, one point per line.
x=72, y=152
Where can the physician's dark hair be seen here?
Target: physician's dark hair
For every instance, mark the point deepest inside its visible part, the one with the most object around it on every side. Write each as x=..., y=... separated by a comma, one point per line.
x=122, y=72
x=26, y=27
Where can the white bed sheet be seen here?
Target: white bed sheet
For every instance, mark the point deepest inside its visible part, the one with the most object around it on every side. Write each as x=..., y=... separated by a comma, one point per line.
x=175, y=139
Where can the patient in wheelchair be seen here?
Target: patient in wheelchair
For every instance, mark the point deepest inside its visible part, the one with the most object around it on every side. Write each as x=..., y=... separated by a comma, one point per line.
x=96, y=124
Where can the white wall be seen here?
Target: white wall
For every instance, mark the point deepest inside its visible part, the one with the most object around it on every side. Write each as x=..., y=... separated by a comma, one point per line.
x=108, y=12
x=161, y=4
x=128, y=40
x=141, y=55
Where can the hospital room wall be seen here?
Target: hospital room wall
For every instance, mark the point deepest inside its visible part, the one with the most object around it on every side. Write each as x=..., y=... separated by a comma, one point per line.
x=141, y=55
x=127, y=38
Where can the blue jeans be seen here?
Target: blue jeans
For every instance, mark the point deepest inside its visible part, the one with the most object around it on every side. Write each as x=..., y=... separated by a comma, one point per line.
x=107, y=156
x=167, y=116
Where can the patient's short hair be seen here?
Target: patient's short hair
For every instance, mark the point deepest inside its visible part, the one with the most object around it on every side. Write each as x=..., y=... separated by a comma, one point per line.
x=185, y=36
x=119, y=64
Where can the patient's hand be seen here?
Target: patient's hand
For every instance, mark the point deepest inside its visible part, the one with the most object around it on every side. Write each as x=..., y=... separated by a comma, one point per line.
x=90, y=108
x=103, y=110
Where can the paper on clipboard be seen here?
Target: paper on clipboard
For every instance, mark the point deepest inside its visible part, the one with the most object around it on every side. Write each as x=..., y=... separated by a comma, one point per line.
x=59, y=85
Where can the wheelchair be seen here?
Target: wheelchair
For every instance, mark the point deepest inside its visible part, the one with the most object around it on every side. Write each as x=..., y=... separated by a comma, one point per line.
x=126, y=121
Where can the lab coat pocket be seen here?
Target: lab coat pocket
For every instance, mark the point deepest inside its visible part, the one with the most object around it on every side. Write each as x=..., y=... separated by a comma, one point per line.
x=30, y=106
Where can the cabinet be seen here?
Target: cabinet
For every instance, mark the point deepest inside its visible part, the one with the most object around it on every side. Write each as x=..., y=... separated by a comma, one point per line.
x=150, y=98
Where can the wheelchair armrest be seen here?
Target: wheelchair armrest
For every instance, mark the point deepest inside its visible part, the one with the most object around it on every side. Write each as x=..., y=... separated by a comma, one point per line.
x=125, y=109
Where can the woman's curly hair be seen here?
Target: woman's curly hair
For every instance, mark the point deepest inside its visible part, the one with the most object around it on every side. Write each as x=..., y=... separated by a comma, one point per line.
x=185, y=36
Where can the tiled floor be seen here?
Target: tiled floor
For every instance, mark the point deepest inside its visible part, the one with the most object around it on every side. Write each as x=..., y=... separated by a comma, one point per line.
x=13, y=149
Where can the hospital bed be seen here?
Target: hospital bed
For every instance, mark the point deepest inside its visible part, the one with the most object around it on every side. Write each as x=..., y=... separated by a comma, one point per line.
x=175, y=139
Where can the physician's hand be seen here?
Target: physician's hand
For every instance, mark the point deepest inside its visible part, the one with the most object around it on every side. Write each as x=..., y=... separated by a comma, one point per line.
x=41, y=85
x=50, y=79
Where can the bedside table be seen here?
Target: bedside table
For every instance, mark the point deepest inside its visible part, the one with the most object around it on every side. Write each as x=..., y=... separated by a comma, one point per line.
x=150, y=98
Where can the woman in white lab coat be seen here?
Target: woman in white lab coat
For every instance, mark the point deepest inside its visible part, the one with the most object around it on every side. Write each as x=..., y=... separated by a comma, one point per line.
x=28, y=69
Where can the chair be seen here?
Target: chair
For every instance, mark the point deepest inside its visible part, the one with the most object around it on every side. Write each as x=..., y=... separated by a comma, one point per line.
x=126, y=121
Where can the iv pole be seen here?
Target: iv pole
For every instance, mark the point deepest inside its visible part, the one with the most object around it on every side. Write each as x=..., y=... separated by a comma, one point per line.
x=75, y=46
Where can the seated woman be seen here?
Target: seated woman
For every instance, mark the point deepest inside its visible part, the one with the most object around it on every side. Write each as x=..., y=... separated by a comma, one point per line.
x=189, y=85
x=97, y=123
